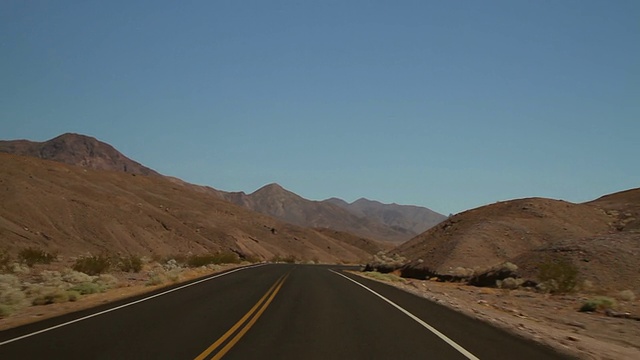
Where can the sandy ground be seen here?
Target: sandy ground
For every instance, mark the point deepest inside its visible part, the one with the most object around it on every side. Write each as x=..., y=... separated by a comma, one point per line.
x=553, y=320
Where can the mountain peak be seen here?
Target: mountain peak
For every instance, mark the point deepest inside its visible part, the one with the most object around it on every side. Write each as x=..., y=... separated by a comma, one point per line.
x=272, y=188
x=79, y=150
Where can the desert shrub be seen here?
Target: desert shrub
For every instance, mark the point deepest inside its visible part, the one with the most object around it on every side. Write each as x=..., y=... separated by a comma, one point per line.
x=18, y=268
x=509, y=283
x=5, y=260
x=54, y=296
x=107, y=280
x=51, y=278
x=626, y=295
x=87, y=288
x=5, y=310
x=31, y=256
x=200, y=260
x=494, y=275
x=8, y=280
x=384, y=277
x=12, y=297
x=92, y=265
x=33, y=289
x=73, y=295
x=254, y=259
x=174, y=275
x=385, y=263
x=558, y=277
x=598, y=303
x=154, y=279
x=131, y=263
x=77, y=277
x=289, y=259
x=171, y=264
x=217, y=258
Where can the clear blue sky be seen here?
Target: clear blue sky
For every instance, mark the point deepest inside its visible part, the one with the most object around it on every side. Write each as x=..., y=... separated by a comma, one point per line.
x=445, y=104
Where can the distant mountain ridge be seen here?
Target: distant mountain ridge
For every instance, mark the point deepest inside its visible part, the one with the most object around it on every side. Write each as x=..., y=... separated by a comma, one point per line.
x=371, y=219
x=409, y=217
x=364, y=218
x=79, y=150
x=71, y=211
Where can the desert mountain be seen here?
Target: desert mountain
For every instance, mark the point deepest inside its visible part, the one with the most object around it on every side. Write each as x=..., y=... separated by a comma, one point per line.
x=365, y=221
x=405, y=217
x=601, y=238
x=73, y=210
x=80, y=150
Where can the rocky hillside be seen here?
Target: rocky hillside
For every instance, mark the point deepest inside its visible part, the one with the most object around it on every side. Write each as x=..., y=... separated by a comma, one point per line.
x=79, y=150
x=393, y=223
x=600, y=238
x=73, y=210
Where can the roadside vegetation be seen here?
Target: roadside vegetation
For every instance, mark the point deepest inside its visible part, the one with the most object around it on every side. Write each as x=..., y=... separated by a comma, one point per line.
x=35, y=277
x=558, y=277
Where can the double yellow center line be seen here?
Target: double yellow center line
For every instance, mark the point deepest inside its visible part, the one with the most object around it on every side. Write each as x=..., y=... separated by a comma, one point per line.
x=246, y=323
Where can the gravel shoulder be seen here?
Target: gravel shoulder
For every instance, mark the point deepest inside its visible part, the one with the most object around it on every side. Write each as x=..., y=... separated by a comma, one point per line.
x=553, y=320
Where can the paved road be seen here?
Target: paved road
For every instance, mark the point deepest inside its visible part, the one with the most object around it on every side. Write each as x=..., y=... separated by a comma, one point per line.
x=270, y=312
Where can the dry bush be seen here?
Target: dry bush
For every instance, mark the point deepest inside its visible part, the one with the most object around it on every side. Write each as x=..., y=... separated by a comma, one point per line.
x=93, y=265
x=626, y=295
x=32, y=256
x=131, y=263
x=76, y=277
x=5, y=260
x=598, y=303
x=385, y=263
x=87, y=288
x=209, y=259
x=11, y=295
x=53, y=296
x=558, y=277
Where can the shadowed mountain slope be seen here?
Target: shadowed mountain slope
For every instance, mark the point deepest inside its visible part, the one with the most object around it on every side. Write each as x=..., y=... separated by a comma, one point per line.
x=79, y=150
x=74, y=210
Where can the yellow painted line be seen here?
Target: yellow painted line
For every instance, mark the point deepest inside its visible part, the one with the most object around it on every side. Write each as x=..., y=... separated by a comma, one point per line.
x=270, y=294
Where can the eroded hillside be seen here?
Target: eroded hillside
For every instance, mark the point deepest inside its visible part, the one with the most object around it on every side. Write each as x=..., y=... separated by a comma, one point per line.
x=73, y=210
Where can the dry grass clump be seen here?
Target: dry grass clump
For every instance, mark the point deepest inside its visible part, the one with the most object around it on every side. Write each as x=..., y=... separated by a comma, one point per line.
x=384, y=277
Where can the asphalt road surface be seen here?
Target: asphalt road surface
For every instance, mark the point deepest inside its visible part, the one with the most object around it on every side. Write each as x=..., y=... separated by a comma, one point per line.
x=279, y=311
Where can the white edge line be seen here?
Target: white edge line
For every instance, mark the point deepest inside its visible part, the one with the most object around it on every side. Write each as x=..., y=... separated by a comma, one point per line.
x=124, y=305
x=442, y=336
